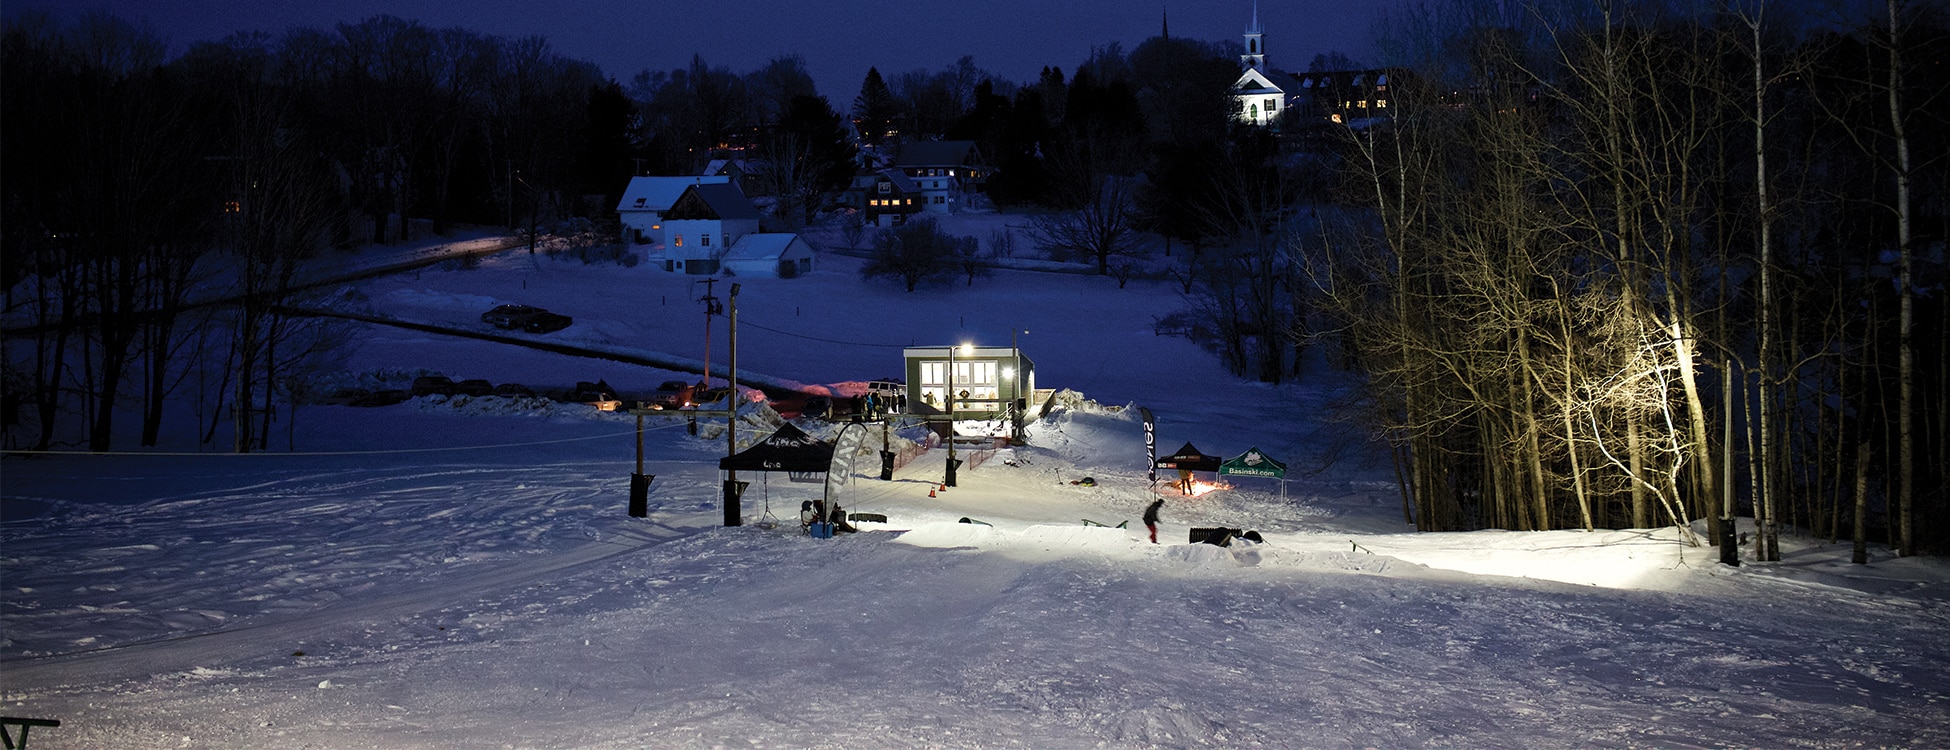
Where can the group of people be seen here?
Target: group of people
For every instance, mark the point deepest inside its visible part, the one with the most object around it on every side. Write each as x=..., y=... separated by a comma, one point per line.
x=814, y=511
x=876, y=406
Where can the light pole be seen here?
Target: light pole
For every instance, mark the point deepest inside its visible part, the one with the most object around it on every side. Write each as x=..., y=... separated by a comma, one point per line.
x=949, y=480
x=1021, y=401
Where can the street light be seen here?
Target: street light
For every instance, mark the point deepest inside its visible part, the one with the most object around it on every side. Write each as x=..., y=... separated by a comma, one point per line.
x=1021, y=402
x=949, y=480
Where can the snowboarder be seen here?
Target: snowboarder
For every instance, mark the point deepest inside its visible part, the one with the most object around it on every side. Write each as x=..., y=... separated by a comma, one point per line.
x=1151, y=518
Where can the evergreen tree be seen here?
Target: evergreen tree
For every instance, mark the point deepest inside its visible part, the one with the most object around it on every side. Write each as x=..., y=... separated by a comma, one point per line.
x=808, y=155
x=875, y=111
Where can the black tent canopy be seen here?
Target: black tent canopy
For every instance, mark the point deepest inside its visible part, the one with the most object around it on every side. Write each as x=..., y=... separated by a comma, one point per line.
x=789, y=449
x=1190, y=458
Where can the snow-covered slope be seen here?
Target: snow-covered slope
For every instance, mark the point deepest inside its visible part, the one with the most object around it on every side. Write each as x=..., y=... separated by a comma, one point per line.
x=451, y=573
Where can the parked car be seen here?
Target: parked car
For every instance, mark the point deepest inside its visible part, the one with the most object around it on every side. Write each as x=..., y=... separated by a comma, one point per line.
x=888, y=393
x=474, y=387
x=546, y=322
x=344, y=396
x=673, y=394
x=510, y=316
x=382, y=398
x=597, y=394
x=513, y=390
x=431, y=385
x=709, y=395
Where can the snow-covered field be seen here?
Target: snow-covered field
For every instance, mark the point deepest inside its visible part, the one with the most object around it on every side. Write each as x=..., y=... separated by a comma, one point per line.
x=462, y=573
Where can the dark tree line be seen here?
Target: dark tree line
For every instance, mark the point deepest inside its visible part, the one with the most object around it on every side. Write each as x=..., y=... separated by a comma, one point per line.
x=138, y=190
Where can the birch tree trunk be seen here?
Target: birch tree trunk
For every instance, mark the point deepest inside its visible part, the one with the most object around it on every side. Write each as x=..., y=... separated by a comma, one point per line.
x=1905, y=353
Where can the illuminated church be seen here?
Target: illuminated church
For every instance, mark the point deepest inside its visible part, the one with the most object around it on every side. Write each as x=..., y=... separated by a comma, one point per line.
x=1255, y=97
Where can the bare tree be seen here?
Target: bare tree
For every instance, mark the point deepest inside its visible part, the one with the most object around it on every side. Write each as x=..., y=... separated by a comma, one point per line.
x=913, y=253
x=1104, y=229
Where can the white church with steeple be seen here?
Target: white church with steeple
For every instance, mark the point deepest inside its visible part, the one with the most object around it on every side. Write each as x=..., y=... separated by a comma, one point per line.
x=1256, y=99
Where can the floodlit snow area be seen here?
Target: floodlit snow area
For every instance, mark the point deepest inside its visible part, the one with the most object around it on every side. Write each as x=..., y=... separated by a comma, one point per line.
x=456, y=572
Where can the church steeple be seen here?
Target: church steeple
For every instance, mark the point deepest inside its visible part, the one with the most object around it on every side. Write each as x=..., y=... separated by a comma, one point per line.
x=1166, y=16
x=1255, y=57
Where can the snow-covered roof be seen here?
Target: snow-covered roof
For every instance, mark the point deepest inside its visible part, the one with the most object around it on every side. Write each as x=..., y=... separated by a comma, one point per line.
x=657, y=193
x=765, y=247
x=723, y=199
x=903, y=183
x=1253, y=82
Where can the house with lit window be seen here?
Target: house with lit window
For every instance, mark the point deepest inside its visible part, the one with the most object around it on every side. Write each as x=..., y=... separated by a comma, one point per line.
x=987, y=382
x=712, y=228
x=1346, y=97
x=647, y=198
x=945, y=172
x=884, y=198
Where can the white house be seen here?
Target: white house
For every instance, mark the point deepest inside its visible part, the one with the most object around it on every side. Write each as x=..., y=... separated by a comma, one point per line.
x=702, y=224
x=647, y=198
x=778, y=254
x=1256, y=98
x=707, y=227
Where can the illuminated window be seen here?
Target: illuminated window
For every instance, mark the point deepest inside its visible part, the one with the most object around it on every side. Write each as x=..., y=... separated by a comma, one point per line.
x=1381, y=104
x=1336, y=117
x=680, y=240
x=1362, y=104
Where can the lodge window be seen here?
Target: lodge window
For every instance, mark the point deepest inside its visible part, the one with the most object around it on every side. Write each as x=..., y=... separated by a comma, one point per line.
x=976, y=377
x=704, y=240
x=679, y=241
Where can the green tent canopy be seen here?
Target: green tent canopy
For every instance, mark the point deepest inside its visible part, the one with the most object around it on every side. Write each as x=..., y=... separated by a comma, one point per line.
x=1253, y=463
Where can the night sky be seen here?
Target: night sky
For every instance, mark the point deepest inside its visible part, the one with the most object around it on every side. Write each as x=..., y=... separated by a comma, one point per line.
x=839, y=40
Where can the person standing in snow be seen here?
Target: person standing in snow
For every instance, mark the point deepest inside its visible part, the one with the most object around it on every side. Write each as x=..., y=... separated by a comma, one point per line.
x=1151, y=518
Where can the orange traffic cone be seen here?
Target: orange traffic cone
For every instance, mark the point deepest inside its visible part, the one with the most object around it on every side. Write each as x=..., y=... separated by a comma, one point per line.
x=944, y=488
x=930, y=492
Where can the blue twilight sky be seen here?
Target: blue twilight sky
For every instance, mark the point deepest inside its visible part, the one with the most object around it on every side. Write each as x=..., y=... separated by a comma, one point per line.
x=839, y=39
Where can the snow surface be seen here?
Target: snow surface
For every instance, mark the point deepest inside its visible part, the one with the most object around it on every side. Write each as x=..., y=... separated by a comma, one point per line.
x=461, y=573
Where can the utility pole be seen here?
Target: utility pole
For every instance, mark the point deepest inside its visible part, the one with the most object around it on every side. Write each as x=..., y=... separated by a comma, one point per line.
x=733, y=493
x=711, y=307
